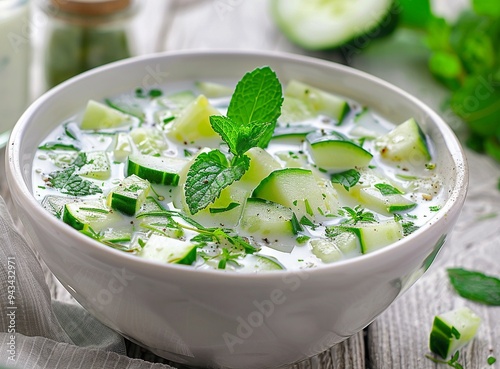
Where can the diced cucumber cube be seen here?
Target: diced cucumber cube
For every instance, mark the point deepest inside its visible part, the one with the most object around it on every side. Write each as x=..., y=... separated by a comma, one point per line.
x=406, y=143
x=373, y=199
x=269, y=221
x=339, y=155
x=453, y=330
x=149, y=141
x=169, y=250
x=214, y=90
x=318, y=100
x=335, y=248
x=116, y=235
x=130, y=195
x=297, y=189
x=373, y=236
x=100, y=116
x=91, y=213
x=193, y=123
x=161, y=170
x=97, y=166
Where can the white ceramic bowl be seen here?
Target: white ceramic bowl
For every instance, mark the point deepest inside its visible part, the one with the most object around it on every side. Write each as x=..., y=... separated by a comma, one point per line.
x=211, y=318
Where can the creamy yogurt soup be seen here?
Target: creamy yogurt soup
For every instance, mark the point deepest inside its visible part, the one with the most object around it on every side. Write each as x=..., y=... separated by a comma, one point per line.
x=267, y=177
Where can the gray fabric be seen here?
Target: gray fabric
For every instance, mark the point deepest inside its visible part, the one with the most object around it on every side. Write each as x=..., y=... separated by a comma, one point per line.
x=36, y=332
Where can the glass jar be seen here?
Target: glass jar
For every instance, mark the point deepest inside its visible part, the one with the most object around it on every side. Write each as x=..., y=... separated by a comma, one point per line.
x=14, y=63
x=84, y=34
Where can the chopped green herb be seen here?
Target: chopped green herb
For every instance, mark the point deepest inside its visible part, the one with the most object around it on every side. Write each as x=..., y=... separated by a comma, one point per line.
x=491, y=360
x=386, y=189
x=453, y=362
x=347, y=179
x=435, y=208
x=59, y=145
x=308, y=207
x=408, y=228
x=302, y=239
x=430, y=166
x=168, y=120
x=42, y=187
x=307, y=222
x=475, y=286
x=155, y=92
x=357, y=215
x=227, y=208
x=67, y=182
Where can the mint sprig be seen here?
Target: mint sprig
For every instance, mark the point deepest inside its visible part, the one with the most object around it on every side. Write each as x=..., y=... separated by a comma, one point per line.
x=250, y=122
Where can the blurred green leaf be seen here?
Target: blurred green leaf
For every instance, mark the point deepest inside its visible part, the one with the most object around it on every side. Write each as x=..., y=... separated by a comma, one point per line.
x=415, y=13
x=447, y=68
x=487, y=7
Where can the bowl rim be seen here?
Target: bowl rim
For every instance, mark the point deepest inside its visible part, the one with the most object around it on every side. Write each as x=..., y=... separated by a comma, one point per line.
x=453, y=203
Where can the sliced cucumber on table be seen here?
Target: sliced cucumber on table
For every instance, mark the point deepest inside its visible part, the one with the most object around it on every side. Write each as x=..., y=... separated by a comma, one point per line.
x=320, y=24
x=452, y=330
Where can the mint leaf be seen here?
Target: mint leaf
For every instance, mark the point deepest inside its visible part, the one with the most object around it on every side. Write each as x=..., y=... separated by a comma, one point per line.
x=209, y=175
x=68, y=182
x=386, y=189
x=257, y=99
x=348, y=179
x=228, y=131
x=486, y=7
x=475, y=286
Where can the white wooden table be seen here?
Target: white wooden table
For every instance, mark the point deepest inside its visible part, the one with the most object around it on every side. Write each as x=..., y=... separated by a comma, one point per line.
x=398, y=338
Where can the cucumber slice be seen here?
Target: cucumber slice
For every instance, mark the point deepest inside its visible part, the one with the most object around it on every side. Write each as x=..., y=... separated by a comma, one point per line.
x=297, y=189
x=130, y=195
x=92, y=213
x=130, y=105
x=317, y=100
x=55, y=204
x=317, y=24
x=367, y=126
x=260, y=263
x=100, y=116
x=97, y=166
x=339, y=155
x=406, y=142
x=116, y=235
x=193, y=123
x=373, y=236
x=373, y=199
x=273, y=223
x=261, y=164
x=161, y=170
x=330, y=250
x=214, y=90
x=149, y=141
x=295, y=110
x=178, y=100
x=169, y=250
x=453, y=330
